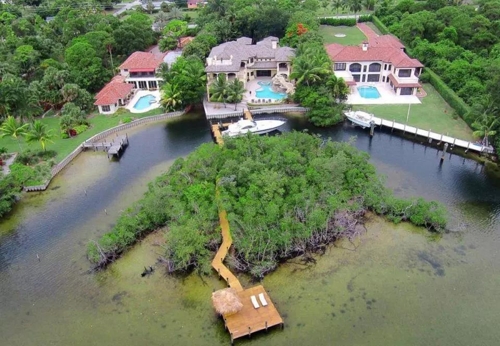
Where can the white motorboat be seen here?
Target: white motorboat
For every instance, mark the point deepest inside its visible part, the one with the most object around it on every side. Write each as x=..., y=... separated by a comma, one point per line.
x=259, y=127
x=360, y=118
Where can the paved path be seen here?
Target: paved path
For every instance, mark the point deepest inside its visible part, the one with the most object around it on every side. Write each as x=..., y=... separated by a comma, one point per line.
x=126, y=6
x=218, y=261
x=365, y=29
x=7, y=163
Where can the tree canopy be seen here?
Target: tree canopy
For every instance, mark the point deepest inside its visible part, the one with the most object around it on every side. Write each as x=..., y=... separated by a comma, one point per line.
x=284, y=195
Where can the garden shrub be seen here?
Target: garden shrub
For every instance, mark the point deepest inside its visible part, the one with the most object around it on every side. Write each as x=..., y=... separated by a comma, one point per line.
x=378, y=23
x=338, y=21
x=80, y=128
x=365, y=18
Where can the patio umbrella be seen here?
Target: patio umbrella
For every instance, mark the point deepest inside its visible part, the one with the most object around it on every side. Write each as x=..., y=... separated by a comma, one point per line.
x=226, y=301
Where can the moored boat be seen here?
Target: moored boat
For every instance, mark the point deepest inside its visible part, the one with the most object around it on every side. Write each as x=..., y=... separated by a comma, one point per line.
x=244, y=126
x=360, y=118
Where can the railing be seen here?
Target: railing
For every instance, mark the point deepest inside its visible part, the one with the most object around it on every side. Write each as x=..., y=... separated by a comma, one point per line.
x=57, y=168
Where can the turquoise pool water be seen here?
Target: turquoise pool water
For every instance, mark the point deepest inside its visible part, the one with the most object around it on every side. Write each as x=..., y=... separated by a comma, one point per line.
x=266, y=92
x=144, y=102
x=368, y=92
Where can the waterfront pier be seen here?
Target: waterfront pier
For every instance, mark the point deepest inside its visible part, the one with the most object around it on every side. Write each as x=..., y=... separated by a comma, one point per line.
x=113, y=147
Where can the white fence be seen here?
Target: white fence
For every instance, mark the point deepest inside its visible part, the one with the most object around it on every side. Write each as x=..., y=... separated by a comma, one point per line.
x=57, y=168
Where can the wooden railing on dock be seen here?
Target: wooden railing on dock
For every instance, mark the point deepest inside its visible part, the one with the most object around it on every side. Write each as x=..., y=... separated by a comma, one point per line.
x=60, y=166
x=430, y=136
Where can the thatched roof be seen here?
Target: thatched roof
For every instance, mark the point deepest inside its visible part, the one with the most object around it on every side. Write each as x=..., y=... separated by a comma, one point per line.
x=226, y=301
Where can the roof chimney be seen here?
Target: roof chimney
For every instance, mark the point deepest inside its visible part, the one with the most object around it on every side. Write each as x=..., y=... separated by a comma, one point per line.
x=274, y=44
x=365, y=46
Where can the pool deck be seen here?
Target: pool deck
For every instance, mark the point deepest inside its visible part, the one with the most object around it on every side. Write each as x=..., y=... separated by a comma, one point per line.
x=138, y=95
x=387, y=96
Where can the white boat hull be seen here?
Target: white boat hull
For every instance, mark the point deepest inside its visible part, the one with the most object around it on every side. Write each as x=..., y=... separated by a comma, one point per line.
x=257, y=127
x=360, y=118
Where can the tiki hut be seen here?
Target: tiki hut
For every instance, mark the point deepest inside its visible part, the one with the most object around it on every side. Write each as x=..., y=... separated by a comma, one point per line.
x=226, y=301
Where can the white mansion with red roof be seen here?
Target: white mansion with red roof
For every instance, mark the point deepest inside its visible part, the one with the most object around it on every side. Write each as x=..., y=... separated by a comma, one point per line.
x=381, y=59
x=137, y=72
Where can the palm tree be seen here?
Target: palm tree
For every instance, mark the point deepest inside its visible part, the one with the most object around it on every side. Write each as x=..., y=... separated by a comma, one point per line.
x=235, y=91
x=355, y=6
x=485, y=126
x=337, y=87
x=310, y=68
x=171, y=98
x=38, y=133
x=219, y=89
x=337, y=4
x=11, y=128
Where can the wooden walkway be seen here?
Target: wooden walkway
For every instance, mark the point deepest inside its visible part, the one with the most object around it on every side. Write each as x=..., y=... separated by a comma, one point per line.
x=430, y=136
x=218, y=260
x=249, y=319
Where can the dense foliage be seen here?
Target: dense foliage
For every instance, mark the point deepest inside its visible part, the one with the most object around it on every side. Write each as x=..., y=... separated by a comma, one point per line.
x=461, y=45
x=284, y=196
x=48, y=63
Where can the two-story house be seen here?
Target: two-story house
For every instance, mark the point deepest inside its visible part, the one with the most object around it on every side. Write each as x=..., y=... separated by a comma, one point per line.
x=246, y=61
x=381, y=59
x=140, y=69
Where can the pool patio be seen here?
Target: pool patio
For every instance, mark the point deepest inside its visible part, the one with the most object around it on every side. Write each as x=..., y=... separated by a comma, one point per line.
x=138, y=95
x=251, y=91
x=387, y=96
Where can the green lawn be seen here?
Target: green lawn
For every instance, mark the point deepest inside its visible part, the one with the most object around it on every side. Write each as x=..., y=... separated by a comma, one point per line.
x=434, y=113
x=354, y=36
x=63, y=147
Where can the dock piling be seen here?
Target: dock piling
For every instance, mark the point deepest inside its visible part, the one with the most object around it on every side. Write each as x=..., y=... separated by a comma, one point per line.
x=445, y=148
x=372, y=128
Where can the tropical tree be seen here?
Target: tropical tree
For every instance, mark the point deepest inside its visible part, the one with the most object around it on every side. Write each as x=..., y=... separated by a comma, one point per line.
x=337, y=87
x=12, y=128
x=355, y=6
x=235, y=91
x=171, y=97
x=310, y=67
x=338, y=4
x=218, y=89
x=38, y=133
x=485, y=126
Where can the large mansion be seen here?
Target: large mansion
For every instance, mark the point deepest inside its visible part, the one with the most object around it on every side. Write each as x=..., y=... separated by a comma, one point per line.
x=381, y=59
x=246, y=61
x=138, y=72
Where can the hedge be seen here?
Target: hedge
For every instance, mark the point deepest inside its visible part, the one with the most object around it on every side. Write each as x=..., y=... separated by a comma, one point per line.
x=338, y=21
x=378, y=23
x=448, y=94
x=365, y=18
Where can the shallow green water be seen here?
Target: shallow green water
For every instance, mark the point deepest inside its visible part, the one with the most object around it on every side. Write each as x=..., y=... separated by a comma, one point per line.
x=394, y=286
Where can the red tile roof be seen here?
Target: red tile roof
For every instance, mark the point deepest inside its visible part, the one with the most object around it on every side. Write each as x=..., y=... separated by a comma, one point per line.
x=113, y=91
x=138, y=60
x=183, y=41
x=384, y=48
x=403, y=85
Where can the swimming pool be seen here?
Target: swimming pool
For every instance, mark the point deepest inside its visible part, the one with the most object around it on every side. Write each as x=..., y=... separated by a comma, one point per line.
x=266, y=92
x=368, y=92
x=144, y=102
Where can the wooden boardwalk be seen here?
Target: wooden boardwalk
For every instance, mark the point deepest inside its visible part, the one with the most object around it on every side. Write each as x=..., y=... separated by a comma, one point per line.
x=249, y=319
x=432, y=136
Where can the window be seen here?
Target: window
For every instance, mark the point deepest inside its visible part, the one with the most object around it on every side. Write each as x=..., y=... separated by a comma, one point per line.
x=385, y=67
x=404, y=73
x=364, y=68
x=364, y=78
x=406, y=91
x=383, y=79
x=355, y=67
x=106, y=108
x=356, y=77
x=373, y=78
x=417, y=72
x=339, y=66
x=375, y=67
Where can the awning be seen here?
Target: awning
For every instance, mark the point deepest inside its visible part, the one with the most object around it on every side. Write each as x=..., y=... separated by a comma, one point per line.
x=142, y=70
x=403, y=85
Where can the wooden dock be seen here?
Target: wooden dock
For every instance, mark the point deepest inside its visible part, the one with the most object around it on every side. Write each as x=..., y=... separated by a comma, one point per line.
x=217, y=128
x=432, y=136
x=113, y=147
x=249, y=319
